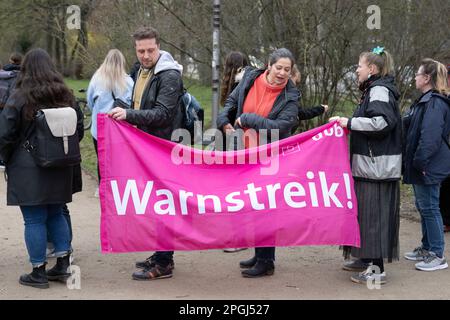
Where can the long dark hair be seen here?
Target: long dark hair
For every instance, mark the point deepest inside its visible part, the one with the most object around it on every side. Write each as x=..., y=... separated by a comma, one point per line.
x=233, y=62
x=40, y=85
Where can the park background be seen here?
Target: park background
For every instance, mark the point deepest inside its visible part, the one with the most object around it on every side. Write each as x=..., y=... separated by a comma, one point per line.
x=326, y=37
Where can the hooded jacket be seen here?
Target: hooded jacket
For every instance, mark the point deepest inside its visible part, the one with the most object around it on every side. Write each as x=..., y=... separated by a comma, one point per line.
x=160, y=112
x=8, y=77
x=426, y=125
x=375, y=140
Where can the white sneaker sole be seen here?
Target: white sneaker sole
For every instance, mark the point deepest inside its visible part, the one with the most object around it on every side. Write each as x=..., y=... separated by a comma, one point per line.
x=413, y=259
x=439, y=267
x=357, y=280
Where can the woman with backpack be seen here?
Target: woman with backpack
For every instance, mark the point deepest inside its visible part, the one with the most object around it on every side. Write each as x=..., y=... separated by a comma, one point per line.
x=375, y=153
x=39, y=192
x=109, y=86
x=427, y=160
x=264, y=99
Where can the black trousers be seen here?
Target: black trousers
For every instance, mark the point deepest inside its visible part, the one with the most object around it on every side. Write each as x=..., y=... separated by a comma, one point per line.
x=444, y=201
x=376, y=262
x=163, y=258
x=265, y=253
x=96, y=152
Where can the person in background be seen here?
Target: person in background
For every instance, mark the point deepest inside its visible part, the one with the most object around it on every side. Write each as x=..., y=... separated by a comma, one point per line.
x=109, y=82
x=427, y=160
x=235, y=62
x=8, y=76
x=309, y=113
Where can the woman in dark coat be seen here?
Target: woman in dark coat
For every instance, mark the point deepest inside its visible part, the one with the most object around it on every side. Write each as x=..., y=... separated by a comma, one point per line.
x=40, y=192
x=264, y=99
x=427, y=160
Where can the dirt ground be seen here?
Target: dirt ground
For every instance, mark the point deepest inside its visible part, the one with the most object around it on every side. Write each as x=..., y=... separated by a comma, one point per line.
x=301, y=272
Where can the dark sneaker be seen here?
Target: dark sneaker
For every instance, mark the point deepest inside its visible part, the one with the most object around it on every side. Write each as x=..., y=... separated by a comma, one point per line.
x=262, y=268
x=150, y=263
x=37, y=278
x=418, y=254
x=369, y=276
x=146, y=264
x=153, y=273
x=250, y=263
x=355, y=265
x=432, y=263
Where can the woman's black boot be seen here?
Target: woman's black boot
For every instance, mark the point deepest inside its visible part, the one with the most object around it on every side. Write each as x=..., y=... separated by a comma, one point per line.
x=60, y=270
x=248, y=263
x=261, y=268
x=37, y=278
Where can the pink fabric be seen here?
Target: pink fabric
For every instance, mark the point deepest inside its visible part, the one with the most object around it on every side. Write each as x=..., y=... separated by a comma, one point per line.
x=308, y=201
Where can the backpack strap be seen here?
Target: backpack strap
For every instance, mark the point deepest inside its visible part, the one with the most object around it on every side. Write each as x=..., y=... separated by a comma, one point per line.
x=26, y=137
x=189, y=99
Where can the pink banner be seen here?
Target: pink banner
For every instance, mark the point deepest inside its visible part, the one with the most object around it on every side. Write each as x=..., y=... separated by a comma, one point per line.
x=157, y=195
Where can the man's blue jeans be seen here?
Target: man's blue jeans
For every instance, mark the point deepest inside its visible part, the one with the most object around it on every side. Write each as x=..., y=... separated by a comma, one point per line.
x=40, y=219
x=427, y=202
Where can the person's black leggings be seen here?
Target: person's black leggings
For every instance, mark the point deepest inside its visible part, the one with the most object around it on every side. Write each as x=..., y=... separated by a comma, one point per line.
x=376, y=262
x=96, y=152
x=444, y=201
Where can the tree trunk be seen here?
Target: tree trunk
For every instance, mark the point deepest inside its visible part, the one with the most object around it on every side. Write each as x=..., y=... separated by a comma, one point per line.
x=215, y=62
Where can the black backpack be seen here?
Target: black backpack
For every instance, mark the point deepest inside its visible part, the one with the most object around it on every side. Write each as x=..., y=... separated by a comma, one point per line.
x=192, y=113
x=52, y=138
x=7, y=80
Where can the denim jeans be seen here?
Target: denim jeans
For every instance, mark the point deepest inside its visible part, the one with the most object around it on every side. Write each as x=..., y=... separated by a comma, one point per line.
x=66, y=214
x=40, y=219
x=427, y=202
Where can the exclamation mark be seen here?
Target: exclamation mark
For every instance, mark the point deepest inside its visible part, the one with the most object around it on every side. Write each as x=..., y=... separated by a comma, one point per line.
x=347, y=190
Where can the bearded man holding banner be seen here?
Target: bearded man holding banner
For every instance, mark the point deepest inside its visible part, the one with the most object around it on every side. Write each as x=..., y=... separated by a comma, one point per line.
x=156, y=110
